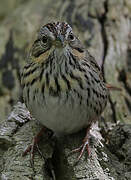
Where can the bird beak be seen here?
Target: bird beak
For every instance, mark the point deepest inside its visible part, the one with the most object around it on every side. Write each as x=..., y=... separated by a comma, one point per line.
x=60, y=40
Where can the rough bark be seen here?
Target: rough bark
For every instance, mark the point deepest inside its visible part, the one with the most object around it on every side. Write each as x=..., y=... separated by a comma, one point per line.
x=104, y=27
x=53, y=159
x=109, y=159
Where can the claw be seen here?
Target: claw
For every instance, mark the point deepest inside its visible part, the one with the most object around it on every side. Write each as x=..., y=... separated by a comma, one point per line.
x=28, y=149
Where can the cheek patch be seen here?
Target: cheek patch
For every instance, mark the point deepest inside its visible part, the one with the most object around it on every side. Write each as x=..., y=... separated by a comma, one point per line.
x=43, y=57
x=80, y=55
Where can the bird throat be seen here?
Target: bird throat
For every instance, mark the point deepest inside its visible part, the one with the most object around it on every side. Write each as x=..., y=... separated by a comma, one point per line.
x=60, y=54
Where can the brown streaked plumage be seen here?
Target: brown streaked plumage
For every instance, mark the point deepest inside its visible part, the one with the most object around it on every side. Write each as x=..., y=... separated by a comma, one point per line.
x=62, y=83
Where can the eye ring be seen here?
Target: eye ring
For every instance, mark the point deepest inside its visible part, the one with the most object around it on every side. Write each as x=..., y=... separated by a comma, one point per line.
x=44, y=39
x=71, y=37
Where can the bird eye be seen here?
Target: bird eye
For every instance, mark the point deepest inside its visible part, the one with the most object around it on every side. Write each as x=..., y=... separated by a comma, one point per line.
x=71, y=37
x=44, y=39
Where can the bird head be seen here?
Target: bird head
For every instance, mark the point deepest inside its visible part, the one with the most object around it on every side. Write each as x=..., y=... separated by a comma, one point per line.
x=56, y=36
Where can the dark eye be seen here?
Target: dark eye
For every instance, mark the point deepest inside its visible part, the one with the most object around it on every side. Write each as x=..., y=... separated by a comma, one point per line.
x=44, y=39
x=71, y=37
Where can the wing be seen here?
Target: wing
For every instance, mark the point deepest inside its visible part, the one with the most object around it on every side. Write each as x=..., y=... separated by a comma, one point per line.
x=94, y=64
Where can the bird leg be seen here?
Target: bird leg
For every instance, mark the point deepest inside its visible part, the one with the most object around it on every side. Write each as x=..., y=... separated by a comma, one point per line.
x=31, y=147
x=84, y=146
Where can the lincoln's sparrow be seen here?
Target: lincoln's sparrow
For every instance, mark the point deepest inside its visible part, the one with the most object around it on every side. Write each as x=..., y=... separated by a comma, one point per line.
x=62, y=83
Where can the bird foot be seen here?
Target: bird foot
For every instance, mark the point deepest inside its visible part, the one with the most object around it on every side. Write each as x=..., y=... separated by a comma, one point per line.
x=83, y=147
x=31, y=148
